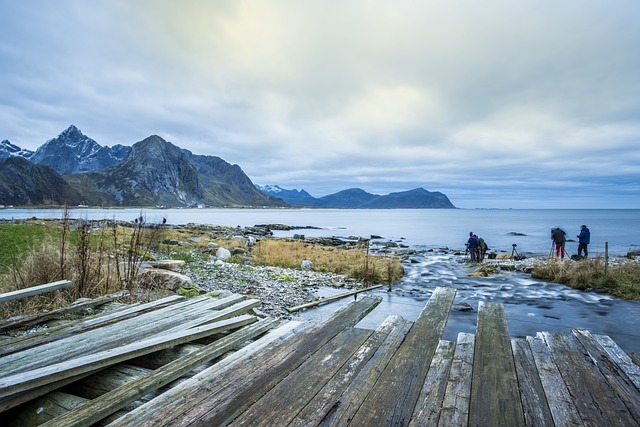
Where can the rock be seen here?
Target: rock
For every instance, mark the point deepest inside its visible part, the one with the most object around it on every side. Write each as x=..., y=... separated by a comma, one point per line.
x=157, y=278
x=167, y=264
x=213, y=245
x=306, y=265
x=223, y=254
x=298, y=237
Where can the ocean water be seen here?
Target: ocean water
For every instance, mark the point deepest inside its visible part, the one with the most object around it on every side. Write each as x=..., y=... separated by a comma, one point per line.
x=530, y=305
x=528, y=229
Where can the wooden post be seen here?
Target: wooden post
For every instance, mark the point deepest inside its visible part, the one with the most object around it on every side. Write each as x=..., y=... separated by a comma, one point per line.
x=35, y=290
x=606, y=257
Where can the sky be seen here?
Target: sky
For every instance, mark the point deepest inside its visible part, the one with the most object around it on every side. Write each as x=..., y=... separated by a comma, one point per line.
x=495, y=103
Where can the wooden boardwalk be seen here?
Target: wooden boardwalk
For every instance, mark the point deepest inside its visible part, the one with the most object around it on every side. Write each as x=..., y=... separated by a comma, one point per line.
x=401, y=374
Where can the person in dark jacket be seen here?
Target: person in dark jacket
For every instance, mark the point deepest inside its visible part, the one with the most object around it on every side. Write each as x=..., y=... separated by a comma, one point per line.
x=472, y=245
x=584, y=238
x=559, y=237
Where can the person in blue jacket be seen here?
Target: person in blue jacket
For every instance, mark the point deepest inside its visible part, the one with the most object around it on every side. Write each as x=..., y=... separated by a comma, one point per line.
x=472, y=246
x=584, y=238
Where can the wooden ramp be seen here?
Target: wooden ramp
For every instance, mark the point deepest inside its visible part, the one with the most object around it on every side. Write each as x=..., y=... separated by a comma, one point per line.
x=401, y=374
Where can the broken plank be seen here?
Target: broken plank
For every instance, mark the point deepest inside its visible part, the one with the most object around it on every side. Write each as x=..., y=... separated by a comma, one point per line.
x=427, y=411
x=110, y=402
x=143, y=415
x=534, y=400
x=351, y=400
x=455, y=406
x=394, y=396
x=622, y=359
x=495, y=398
x=35, y=290
x=282, y=402
x=590, y=391
x=31, y=379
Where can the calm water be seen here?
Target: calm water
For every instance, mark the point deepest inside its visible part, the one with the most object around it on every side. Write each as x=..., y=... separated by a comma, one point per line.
x=531, y=306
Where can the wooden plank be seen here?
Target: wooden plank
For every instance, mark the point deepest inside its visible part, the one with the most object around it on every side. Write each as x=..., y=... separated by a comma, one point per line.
x=590, y=391
x=495, y=398
x=217, y=401
x=286, y=399
x=455, y=406
x=328, y=398
x=23, y=381
x=110, y=402
x=43, y=409
x=427, y=411
x=35, y=319
x=348, y=404
x=534, y=401
x=143, y=415
x=35, y=290
x=80, y=326
x=331, y=298
x=622, y=359
x=563, y=410
x=619, y=383
x=394, y=396
x=95, y=340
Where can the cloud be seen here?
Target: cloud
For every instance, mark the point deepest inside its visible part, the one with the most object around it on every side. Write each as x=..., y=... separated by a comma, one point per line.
x=498, y=103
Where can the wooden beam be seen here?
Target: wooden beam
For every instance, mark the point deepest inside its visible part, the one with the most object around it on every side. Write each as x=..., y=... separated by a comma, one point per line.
x=35, y=290
x=331, y=298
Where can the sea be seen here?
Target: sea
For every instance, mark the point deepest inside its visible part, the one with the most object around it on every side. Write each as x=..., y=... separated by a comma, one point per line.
x=531, y=305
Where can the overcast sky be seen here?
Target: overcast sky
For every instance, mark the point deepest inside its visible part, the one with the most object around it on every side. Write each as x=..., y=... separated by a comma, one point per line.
x=505, y=104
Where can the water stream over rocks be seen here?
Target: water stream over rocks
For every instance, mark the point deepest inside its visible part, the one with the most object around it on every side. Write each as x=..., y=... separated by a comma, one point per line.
x=531, y=305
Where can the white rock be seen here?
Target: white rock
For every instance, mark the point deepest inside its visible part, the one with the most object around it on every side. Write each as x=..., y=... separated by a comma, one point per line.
x=306, y=265
x=223, y=253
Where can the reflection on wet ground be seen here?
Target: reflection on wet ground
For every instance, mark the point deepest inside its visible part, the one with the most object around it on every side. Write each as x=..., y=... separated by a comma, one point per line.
x=531, y=306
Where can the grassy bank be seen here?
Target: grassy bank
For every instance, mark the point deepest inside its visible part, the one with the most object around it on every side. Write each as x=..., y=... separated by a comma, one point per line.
x=103, y=257
x=621, y=280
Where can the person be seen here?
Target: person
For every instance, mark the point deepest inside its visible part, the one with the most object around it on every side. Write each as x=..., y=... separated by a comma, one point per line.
x=559, y=237
x=472, y=245
x=584, y=238
x=482, y=249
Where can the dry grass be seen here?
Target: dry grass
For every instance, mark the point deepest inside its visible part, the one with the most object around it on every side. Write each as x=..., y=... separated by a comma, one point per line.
x=621, y=280
x=352, y=263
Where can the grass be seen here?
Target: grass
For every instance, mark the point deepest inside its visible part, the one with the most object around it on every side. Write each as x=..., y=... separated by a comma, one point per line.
x=353, y=263
x=620, y=280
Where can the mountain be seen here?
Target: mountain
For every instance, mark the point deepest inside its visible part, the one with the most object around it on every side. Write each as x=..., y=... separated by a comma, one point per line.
x=23, y=183
x=356, y=198
x=73, y=152
x=293, y=197
x=156, y=172
x=7, y=149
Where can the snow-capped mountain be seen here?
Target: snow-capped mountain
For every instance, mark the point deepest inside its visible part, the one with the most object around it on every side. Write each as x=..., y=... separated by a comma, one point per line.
x=7, y=149
x=73, y=152
x=294, y=197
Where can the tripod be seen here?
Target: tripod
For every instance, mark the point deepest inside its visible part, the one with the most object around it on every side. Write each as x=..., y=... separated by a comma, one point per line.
x=514, y=252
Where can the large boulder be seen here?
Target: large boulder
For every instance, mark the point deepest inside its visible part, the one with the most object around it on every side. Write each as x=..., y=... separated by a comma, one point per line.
x=158, y=278
x=223, y=254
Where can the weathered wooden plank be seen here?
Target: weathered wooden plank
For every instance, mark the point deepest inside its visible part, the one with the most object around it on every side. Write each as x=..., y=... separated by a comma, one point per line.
x=590, y=391
x=348, y=404
x=635, y=358
x=281, y=403
x=35, y=319
x=619, y=383
x=331, y=298
x=23, y=381
x=82, y=325
x=622, y=359
x=427, y=411
x=214, y=314
x=495, y=398
x=328, y=398
x=35, y=290
x=394, y=396
x=110, y=402
x=144, y=414
x=217, y=401
x=106, y=380
x=117, y=334
x=534, y=401
x=455, y=406
x=561, y=405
